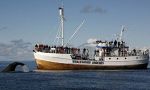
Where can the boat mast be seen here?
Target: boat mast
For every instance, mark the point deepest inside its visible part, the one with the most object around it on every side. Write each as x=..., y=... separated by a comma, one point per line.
x=61, y=12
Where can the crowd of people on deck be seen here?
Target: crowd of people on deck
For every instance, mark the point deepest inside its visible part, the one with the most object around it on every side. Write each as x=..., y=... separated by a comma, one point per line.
x=123, y=50
x=76, y=52
x=56, y=49
x=84, y=53
x=113, y=43
x=107, y=47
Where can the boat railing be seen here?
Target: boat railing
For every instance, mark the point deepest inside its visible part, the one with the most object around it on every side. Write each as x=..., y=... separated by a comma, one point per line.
x=138, y=52
x=56, y=49
x=133, y=52
x=85, y=52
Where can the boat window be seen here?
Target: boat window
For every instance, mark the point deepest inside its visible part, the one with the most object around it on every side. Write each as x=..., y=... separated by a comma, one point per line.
x=125, y=58
x=117, y=58
x=109, y=58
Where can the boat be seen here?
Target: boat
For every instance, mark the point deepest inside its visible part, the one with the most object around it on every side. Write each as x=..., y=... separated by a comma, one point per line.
x=105, y=55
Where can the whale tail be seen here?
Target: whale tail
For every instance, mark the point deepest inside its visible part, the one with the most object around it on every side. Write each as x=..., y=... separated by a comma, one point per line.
x=12, y=67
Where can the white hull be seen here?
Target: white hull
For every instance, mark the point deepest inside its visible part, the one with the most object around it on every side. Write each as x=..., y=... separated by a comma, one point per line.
x=65, y=59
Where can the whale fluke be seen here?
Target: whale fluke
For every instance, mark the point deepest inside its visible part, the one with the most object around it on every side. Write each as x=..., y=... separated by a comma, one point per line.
x=11, y=67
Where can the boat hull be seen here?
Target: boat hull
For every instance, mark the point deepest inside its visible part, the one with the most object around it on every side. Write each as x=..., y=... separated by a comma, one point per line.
x=48, y=65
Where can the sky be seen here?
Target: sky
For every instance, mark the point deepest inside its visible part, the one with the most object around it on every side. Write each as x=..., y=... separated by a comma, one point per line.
x=23, y=23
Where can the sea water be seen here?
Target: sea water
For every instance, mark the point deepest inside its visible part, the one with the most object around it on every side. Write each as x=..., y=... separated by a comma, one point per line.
x=75, y=80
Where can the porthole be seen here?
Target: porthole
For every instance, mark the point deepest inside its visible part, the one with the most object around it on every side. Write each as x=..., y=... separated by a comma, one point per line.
x=117, y=58
x=109, y=58
x=125, y=58
x=136, y=57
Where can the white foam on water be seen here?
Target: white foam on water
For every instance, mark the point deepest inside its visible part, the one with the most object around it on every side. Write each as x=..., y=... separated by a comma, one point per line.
x=25, y=68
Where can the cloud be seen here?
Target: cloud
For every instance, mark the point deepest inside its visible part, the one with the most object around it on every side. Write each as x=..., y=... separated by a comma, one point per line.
x=91, y=40
x=91, y=9
x=16, y=50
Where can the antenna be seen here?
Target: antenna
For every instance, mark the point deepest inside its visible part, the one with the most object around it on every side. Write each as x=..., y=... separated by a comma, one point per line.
x=121, y=33
x=76, y=30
